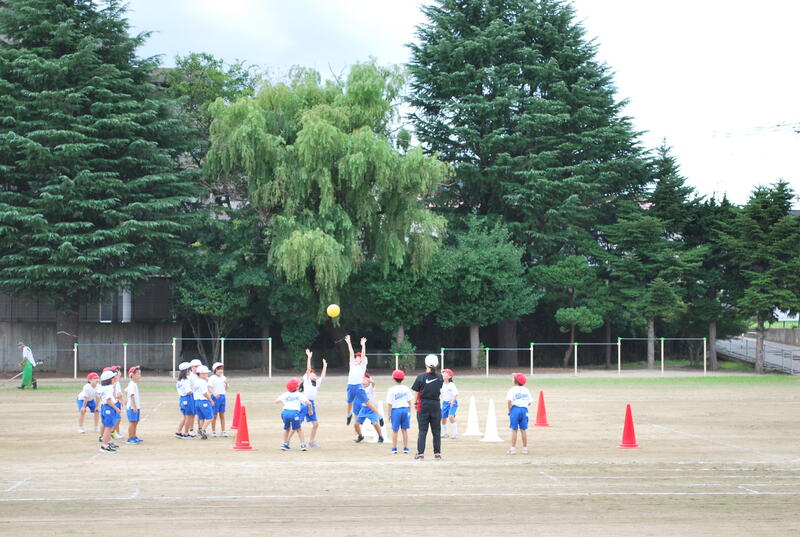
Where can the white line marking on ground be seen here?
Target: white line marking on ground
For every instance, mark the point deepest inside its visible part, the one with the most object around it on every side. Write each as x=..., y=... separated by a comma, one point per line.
x=750, y=491
x=17, y=484
x=548, y=476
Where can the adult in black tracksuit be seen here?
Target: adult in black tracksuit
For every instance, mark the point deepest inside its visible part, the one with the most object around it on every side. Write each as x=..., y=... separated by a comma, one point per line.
x=429, y=413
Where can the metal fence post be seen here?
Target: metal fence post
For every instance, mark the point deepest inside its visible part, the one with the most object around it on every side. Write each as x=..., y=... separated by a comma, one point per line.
x=222, y=350
x=619, y=356
x=662, y=356
x=269, y=340
x=532, y=345
x=487, y=362
x=441, y=356
x=396, y=361
x=705, y=356
x=576, y=358
x=75, y=361
x=174, y=353
x=125, y=360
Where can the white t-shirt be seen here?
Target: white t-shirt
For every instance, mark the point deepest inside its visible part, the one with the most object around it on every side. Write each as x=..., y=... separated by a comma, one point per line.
x=192, y=378
x=370, y=391
x=357, y=371
x=88, y=393
x=28, y=355
x=519, y=396
x=184, y=387
x=399, y=396
x=200, y=389
x=293, y=400
x=449, y=392
x=309, y=389
x=105, y=393
x=133, y=390
x=217, y=383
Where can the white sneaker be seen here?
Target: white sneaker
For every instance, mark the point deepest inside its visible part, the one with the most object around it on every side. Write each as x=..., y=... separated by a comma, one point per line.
x=455, y=437
x=445, y=435
x=512, y=451
x=224, y=434
x=303, y=447
x=97, y=429
x=192, y=433
x=214, y=434
x=81, y=430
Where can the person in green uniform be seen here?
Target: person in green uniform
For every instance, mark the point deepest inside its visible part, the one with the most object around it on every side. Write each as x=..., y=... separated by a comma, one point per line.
x=27, y=364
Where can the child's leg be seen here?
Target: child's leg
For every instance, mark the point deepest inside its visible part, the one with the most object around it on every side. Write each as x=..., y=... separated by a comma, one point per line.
x=221, y=421
x=81, y=416
x=290, y=434
x=453, y=427
x=96, y=420
x=377, y=426
x=394, y=439
x=405, y=438
x=131, y=429
x=106, y=435
x=301, y=435
x=214, y=423
x=524, y=435
x=187, y=426
x=286, y=436
x=349, y=408
x=513, y=437
x=181, y=424
x=314, y=427
x=357, y=427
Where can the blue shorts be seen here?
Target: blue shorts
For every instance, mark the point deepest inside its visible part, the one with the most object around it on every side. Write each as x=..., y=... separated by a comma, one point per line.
x=119, y=409
x=219, y=403
x=202, y=407
x=186, y=403
x=109, y=415
x=352, y=392
x=401, y=418
x=304, y=412
x=449, y=409
x=518, y=418
x=133, y=417
x=367, y=413
x=291, y=419
x=91, y=405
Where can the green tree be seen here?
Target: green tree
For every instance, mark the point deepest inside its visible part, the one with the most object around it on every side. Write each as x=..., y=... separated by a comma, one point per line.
x=484, y=280
x=510, y=93
x=90, y=201
x=765, y=241
x=320, y=168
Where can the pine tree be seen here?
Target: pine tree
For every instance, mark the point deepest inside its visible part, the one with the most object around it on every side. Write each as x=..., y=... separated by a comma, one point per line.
x=89, y=198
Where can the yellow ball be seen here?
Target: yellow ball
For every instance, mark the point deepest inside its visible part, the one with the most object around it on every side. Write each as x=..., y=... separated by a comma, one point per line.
x=333, y=310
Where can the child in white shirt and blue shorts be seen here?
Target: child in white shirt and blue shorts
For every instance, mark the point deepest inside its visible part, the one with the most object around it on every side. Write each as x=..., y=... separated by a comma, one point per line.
x=293, y=401
x=218, y=383
x=399, y=398
x=449, y=396
x=87, y=400
x=519, y=399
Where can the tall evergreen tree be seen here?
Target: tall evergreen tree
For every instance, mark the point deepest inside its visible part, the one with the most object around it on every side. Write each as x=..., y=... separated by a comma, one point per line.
x=89, y=198
x=765, y=241
x=510, y=93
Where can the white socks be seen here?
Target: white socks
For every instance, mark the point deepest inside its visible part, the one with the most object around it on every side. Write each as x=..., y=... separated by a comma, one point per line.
x=454, y=427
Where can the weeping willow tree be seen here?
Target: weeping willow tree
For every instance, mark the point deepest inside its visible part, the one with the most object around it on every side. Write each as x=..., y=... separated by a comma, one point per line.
x=317, y=162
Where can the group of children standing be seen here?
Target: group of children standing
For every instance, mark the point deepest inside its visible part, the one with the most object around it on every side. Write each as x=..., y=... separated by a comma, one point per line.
x=202, y=395
x=103, y=397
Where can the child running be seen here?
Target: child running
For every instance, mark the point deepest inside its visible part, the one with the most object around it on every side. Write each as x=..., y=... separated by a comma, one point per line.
x=519, y=399
x=134, y=407
x=367, y=409
x=185, y=401
x=449, y=405
x=293, y=401
x=309, y=387
x=203, y=404
x=358, y=366
x=87, y=400
x=219, y=385
x=399, y=397
x=108, y=411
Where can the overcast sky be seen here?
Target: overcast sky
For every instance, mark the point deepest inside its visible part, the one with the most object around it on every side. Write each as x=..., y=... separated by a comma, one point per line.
x=718, y=79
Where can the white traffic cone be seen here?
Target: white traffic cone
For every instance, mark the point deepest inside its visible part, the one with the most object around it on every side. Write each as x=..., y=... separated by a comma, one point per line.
x=472, y=419
x=491, y=425
x=369, y=431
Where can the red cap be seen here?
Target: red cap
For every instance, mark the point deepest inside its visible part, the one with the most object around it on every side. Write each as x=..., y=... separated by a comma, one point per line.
x=92, y=375
x=449, y=373
x=133, y=369
x=520, y=378
x=358, y=355
x=109, y=368
x=292, y=384
x=115, y=368
x=367, y=375
x=398, y=374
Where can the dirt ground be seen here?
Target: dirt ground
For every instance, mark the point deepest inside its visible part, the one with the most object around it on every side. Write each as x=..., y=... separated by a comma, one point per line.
x=718, y=456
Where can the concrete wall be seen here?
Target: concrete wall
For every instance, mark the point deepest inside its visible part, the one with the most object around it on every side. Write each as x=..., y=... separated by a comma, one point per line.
x=787, y=336
x=99, y=344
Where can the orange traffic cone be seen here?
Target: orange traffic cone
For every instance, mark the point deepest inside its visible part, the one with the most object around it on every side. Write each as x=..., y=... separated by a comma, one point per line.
x=541, y=413
x=242, y=435
x=236, y=408
x=628, y=435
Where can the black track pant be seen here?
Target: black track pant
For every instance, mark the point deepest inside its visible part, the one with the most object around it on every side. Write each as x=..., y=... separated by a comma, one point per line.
x=430, y=413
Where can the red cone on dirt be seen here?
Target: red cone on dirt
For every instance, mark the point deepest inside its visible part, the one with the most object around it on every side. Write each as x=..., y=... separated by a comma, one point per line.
x=236, y=408
x=541, y=413
x=628, y=435
x=242, y=434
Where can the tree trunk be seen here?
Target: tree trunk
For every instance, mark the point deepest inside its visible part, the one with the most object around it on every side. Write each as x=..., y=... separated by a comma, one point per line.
x=507, y=339
x=337, y=334
x=265, y=349
x=400, y=335
x=66, y=337
x=760, y=345
x=608, y=340
x=194, y=324
x=712, y=345
x=474, y=345
x=651, y=342
x=568, y=352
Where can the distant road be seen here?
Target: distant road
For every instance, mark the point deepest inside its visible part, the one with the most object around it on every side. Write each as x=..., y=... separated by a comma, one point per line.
x=777, y=357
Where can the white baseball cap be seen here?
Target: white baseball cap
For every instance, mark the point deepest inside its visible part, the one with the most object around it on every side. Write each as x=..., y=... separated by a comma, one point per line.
x=216, y=365
x=195, y=362
x=431, y=360
x=184, y=366
x=202, y=369
x=107, y=375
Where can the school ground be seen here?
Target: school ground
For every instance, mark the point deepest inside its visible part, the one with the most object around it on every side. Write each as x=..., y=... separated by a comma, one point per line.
x=718, y=456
